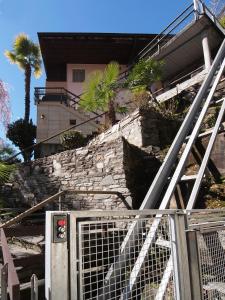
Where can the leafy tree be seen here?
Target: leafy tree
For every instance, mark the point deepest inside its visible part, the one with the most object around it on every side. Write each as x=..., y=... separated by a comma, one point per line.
x=22, y=134
x=101, y=90
x=6, y=151
x=140, y=79
x=5, y=168
x=144, y=74
x=5, y=111
x=26, y=54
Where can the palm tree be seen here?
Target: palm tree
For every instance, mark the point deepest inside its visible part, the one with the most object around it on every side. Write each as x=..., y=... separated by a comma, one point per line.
x=26, y=54
x=100, y=91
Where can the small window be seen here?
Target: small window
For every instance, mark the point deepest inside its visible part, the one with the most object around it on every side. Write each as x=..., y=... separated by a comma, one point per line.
x=73, y=122
x=78, y=75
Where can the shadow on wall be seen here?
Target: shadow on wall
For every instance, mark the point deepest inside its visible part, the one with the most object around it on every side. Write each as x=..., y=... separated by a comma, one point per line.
x=140, y=169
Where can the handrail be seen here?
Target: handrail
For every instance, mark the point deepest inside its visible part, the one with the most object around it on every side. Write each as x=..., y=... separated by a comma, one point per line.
x=161, y=35
x=31, y=210
x=13, y=280
x=67, y=93
x=56, y=196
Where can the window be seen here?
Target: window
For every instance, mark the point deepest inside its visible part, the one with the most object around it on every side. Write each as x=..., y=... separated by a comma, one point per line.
x=73, y=122
x=78, y=75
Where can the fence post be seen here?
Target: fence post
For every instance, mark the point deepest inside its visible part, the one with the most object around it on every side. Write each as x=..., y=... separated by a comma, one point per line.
x=60, y=201
x=196, y=9
x=180, y=257
x=194, y=267
x=34, y=287
x=4, y=280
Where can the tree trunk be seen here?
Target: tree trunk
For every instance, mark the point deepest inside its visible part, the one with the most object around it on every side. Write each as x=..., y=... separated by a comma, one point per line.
x=27, y=93
x=111, y=113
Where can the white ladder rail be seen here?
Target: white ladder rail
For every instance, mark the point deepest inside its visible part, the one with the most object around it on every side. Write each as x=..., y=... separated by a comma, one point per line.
x=164, y=171
x=205, y=160
x=170, y=190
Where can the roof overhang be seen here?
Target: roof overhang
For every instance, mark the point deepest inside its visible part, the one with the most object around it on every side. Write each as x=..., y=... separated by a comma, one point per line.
x=59, y=49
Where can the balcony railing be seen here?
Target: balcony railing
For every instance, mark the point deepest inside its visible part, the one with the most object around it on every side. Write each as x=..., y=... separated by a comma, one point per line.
x=55, y=94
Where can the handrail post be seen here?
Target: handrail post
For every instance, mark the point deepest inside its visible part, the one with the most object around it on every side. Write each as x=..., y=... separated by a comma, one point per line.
x=4, y=279
x=194, y=264
x=180, y=256
x=34, y=287
x=196, y=9
x=60, y=201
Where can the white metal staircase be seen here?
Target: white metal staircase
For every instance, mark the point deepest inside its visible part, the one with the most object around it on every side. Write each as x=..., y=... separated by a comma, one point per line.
x=183, y=142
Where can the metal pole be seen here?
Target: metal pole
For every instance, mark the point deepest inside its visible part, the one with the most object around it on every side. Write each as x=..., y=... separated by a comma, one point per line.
x=196, y=9
x=60, y=201
x=4, y=280
x=34, y=287
x=180, y=257
x=206, y=50
x=194, y=268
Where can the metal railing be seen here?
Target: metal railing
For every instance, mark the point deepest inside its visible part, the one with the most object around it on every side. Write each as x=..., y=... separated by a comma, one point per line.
x=185, y=260
x=58, y=197
x=10, y=284
x=9, y=278
x=58, y=94
x=179, y=24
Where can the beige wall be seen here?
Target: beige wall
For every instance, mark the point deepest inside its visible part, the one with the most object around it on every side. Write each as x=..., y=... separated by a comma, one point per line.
x=56, y=118
x=52, y=84
x=78, y=87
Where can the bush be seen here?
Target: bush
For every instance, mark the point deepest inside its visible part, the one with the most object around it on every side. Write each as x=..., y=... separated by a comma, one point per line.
x=144, y=73
x=72, y=140
x=23, y=135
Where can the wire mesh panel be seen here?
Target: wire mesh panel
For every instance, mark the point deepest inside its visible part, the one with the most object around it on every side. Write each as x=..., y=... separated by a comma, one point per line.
x=101, y=245
x=212, y=264
x=211, y=248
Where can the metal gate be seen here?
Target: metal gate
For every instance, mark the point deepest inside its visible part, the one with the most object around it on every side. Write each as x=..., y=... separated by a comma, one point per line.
x=183, y=255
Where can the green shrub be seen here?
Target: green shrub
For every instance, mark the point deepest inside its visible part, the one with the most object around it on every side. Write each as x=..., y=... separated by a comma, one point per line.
x=72, y=140
x=23, y=135
x=144, y=74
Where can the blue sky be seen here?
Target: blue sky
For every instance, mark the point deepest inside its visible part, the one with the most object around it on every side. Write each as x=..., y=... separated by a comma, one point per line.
x=32, y=16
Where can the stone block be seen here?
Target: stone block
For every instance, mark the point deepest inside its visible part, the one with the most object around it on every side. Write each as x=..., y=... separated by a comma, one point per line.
x=108, y=180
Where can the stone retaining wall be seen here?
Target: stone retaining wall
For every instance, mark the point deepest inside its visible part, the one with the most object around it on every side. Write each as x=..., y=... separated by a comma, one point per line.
x=111, y=166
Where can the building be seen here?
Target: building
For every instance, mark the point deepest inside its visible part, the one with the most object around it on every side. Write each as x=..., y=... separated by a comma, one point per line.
x=69, y=58
x=187, y=47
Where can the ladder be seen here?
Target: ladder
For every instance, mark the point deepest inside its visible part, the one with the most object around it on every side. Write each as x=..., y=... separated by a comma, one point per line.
x=185, y=138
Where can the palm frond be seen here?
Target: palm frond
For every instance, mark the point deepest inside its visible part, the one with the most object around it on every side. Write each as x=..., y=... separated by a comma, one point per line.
x=5, y=171
x=37, y=70
x=11, y=56
x=111, y=73
x=25, y=52
x=91, y=98
x=22, y=45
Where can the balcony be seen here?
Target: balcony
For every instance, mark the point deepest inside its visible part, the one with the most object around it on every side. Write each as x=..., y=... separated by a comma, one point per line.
x=55, y=94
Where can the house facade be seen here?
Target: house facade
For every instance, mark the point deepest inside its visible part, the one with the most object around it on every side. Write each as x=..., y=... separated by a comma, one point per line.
x=69, y=59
